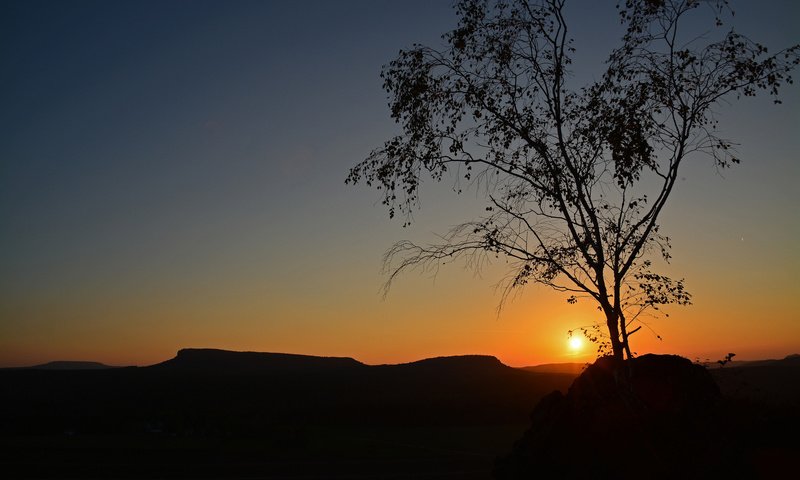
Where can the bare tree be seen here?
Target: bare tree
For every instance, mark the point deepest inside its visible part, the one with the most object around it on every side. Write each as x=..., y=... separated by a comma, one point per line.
x=574, y=178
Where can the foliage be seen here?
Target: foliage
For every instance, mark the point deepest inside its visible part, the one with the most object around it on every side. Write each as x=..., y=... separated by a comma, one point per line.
x=574, y=178
x=728, y=358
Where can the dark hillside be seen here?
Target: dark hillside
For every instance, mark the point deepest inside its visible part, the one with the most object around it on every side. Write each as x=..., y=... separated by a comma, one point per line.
x=207, y=360
x=688, y=422
x=773, y=382
x=214, y=392
x=570, y=368
x=72, y=365
x=217, y=414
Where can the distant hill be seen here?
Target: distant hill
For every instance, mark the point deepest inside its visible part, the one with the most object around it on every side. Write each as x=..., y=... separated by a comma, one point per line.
x=774, y=382
x=71, y=365
x=225, y=361
x=277, y=410
x=471, y=364
x=216, y=392
x=570, y=368
x=789, y=360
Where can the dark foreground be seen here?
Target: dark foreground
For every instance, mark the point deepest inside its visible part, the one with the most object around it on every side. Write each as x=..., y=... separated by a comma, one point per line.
x=212, y=414
x=656, y=417
x=312, y=452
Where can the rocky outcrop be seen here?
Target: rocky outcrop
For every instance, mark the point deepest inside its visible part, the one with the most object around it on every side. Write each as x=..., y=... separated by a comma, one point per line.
x=655, y=416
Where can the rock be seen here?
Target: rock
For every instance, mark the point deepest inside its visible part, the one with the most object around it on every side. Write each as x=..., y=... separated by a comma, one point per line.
x=655, y=416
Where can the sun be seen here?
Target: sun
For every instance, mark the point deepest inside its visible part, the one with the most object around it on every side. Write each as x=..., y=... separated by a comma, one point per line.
x=575, y=343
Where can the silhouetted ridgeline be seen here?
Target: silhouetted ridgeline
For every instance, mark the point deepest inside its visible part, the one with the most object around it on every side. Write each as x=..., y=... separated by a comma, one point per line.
x=209, y=360
x=215, y=392
x=70, y=365
x=217, y=414
x=771, y=382
x=570, y=368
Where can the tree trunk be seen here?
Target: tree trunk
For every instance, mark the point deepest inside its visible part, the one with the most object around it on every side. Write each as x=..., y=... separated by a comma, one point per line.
x=624, y=333
x=612, y=322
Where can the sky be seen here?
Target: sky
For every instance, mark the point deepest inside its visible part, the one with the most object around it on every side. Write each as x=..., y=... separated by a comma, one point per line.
x=172, y=175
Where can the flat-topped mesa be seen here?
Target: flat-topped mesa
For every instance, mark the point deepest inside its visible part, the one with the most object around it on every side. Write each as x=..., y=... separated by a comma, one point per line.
x=71, y=365
x=224, y=361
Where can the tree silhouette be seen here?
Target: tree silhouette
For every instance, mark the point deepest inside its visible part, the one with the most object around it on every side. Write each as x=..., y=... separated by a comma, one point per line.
x=574, y=178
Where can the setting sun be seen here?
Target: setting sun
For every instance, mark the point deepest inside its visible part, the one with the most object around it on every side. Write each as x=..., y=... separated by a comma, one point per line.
x=575, y=343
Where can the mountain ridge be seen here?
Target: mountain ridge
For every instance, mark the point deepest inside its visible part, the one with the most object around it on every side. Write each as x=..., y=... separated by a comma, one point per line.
x=213, y=359
x=200, y=358
x=69, y=365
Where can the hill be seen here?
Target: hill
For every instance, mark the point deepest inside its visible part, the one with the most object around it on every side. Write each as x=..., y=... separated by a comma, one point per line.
x=789, y=360
x=682, y=423
x=208, y=391
x=71, y=365
x=213, y=360
x=220, y=414
x=770, y=382
x=568, y=368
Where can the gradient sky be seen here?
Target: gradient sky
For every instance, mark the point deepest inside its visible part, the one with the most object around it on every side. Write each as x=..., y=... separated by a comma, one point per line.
x=172, y=175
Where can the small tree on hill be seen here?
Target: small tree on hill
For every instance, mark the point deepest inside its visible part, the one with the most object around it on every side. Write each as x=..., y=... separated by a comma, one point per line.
x=574, y=179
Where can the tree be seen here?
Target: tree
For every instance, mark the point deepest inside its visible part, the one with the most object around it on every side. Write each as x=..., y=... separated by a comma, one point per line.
x=574, y=178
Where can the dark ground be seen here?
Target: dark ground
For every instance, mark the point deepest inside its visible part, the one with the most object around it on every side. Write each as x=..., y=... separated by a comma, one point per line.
x=210, y=414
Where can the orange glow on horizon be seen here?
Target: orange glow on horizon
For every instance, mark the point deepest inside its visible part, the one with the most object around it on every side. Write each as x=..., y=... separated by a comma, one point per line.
x=411, y=324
